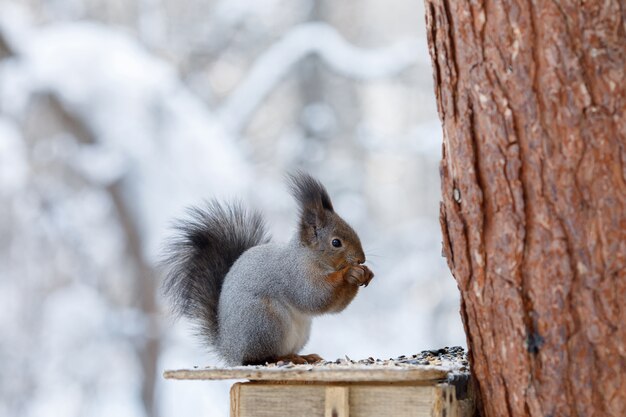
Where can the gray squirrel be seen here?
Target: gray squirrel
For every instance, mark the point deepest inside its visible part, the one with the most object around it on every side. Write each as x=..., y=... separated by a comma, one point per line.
x=253, y=300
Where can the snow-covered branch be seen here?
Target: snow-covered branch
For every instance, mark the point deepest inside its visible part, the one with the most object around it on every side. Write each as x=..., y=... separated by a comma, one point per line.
x=326, y=42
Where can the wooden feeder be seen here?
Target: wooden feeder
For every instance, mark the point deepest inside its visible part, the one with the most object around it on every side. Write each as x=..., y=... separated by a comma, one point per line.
x=433, y=384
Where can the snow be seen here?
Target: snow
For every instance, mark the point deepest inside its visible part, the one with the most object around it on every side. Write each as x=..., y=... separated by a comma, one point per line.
x=129, y=119
x=13, y=165
x=106, y=77
x=323, y=40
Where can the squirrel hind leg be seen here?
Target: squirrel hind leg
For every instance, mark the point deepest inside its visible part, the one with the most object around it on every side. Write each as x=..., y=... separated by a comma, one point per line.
x=312, y=358
x=301, y=359
x=293, y=358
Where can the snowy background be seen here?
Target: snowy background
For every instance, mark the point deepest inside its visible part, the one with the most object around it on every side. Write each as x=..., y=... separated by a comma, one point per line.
x=117, y=114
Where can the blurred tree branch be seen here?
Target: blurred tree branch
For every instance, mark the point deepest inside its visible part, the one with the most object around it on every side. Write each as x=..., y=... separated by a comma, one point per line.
x=5, y=50
x=337, y=53
x=148, y=346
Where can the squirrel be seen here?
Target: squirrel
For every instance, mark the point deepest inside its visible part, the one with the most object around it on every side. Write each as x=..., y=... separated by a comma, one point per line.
x=253, y=300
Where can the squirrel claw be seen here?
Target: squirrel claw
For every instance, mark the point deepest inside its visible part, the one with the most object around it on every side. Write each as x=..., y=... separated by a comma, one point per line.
x=360, y=275
x=368, y=276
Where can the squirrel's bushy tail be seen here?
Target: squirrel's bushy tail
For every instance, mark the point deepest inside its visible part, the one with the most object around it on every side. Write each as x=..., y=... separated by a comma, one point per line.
x=200, y=255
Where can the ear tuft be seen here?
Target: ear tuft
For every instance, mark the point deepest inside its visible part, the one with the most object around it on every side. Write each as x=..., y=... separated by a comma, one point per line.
x=309, y=192
x=315, y=205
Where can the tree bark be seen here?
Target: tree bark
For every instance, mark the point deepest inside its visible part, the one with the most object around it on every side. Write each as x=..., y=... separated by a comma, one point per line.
x=532, y=99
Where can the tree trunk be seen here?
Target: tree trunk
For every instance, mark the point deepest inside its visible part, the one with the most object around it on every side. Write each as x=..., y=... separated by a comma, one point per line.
x=532, y=98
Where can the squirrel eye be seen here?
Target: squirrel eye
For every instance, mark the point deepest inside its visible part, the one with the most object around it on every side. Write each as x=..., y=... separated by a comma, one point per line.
x=336, y=243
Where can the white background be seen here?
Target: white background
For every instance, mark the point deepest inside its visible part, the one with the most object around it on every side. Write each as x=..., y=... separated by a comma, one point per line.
x=116, y=115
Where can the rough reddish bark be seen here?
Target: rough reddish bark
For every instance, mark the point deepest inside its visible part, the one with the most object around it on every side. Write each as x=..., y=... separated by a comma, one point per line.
x=532, y=98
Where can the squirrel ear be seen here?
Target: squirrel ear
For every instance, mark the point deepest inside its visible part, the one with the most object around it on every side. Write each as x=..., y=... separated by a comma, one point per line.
x=315, y=204
x=309, y=192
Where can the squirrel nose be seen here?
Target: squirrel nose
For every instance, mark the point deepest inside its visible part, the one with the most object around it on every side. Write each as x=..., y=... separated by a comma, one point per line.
x=360, y=257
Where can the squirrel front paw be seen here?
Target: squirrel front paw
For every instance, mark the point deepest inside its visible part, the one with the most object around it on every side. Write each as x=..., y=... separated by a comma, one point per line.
x=359, y=275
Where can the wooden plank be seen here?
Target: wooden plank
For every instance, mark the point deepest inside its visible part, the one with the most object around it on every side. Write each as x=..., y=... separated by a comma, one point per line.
x=314, y=373
x=234, y=400
x=253, y=399
x=396, y=401
x=446, y=404
x=440, y=404
x=337, y=401
x=270, y=400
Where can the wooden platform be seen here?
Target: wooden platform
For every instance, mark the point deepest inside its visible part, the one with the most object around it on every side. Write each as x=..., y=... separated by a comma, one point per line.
x=433, y=383
x=310, y=373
